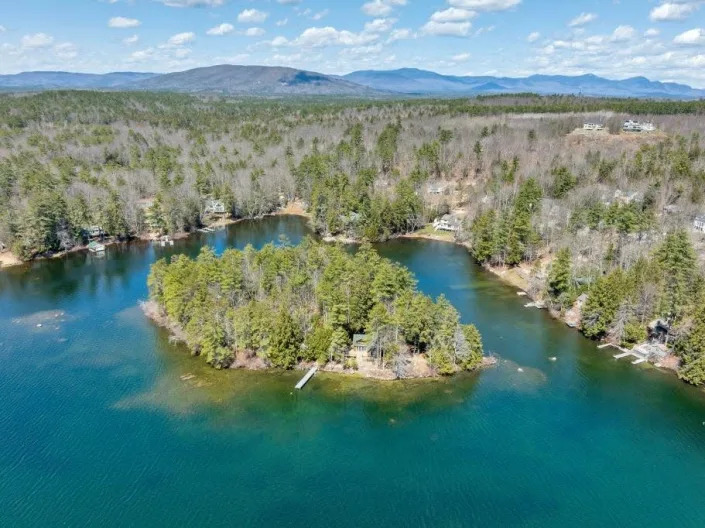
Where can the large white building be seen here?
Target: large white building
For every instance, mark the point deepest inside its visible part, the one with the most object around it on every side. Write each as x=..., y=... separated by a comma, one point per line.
x=636, y=126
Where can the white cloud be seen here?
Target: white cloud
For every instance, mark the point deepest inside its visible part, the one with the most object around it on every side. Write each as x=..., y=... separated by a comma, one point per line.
x=623, y=33
x=2, y=29
x=316, y=37
x=252, y=16
x=254, y=32
x=652, y=32
x=220, y=30
x=453, y=29
x=461, y=57
x=582, y=19
x=669, y=11
x=692, y=37
x=37, y=40
x=192, y=3
x=380, y=25
x=66, y=50
x=289, y=2
x=123, y=22
x=180, y=39
x=401, y=34
x=129, y=41
x=380, y=8
x=485, y=5
x=453, y=14
x=533, y=36
x=282, y=22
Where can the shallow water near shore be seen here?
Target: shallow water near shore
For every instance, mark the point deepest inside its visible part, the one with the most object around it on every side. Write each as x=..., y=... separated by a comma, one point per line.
x=99, y=427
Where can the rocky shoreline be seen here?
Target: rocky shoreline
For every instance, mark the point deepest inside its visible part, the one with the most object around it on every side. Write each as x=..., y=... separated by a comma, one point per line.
x=419, y=368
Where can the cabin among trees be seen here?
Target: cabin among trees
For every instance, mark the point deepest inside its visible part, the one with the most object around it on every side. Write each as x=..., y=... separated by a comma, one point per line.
x=699, y=223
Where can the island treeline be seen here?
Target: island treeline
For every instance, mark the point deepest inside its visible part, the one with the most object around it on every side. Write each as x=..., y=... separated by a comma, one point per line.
x=288, y=305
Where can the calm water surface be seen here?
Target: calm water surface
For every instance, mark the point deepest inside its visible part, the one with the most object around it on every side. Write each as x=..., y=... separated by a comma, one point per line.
x=97, y=427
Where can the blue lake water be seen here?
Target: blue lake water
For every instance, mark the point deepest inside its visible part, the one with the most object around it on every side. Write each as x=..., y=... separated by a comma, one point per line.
x=98, y=427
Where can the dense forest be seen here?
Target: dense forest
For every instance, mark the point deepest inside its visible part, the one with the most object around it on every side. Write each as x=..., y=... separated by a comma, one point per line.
x=291, y=304
x=606, y=218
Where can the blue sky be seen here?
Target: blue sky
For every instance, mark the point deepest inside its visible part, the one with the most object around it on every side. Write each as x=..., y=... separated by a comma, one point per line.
x=663, y=40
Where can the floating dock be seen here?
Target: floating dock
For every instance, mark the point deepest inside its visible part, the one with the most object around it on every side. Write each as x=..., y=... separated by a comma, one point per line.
x=303, y=381
x=206, y=230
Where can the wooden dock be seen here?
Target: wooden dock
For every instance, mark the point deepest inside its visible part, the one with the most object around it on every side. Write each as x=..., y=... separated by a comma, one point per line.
x=303, y=381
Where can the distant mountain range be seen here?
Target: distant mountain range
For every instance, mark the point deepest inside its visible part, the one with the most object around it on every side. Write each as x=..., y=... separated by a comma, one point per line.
x=280, y=81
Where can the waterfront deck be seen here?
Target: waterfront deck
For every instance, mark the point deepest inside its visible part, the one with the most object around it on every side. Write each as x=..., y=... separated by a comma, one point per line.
x=303, y=381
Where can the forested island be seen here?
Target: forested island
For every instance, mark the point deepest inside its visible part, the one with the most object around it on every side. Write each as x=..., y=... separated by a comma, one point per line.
x=282, y=306
x=605, y=228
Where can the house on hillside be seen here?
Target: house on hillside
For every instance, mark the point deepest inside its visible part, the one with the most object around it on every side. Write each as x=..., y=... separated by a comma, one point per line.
x=446, y=223
x=436, y=188
x=213, y=206
x=699, y=223
x=593, y=127
x=659, y=331
x=636, y=126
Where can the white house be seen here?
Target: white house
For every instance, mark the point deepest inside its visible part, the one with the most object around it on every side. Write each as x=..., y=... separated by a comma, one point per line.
x=214, y=207
x=436, y=189
x=699, y=223
x=596, y=127
x=636, y=126
x=94, y=231
x=446, y=223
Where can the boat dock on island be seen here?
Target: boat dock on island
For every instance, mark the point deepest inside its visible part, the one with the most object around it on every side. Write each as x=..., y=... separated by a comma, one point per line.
x=307, y=377
x=640, y=357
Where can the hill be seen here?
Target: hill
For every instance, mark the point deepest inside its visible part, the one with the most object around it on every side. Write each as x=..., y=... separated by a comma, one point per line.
x=253, y=80
x=412, y=81
x=50, y=80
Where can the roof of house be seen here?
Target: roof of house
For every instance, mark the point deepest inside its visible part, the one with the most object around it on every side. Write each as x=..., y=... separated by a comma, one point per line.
x=700, y=218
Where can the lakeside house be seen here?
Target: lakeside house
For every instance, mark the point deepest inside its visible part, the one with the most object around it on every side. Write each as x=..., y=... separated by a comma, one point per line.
x=699, y=223
x=659, y=331
x=593, y=127
x=94, y=231
x=636, y=126
x=363, y=343
x=214, y=206
x=446, y=223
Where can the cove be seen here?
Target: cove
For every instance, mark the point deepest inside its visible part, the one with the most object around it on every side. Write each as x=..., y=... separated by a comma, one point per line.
x=98, y=427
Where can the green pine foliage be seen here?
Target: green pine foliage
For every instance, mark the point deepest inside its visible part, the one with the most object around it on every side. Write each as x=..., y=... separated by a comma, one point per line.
x=290, y=304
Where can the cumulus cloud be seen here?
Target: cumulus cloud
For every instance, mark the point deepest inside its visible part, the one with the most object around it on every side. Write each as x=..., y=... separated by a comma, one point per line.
x=66, y=50
x=652, y=32
x=669, y=11
x=533, y=36
x=380, y=8
x=317, y=37
x=692, y=37
x=252, y=16
x=582, y=19
x=37, y=40
x=401, y=34
x=485, y=5
x=220, y=30
x=380, y=25
x=129, y=41
x=623, y=33
x=123, y=22
x=452, y=29
x=452, y=14
x=254, y=32
x=181, y=39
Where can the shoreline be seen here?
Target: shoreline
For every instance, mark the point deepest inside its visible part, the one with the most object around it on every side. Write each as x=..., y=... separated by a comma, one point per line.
x=248, y=360
x=9, y=259
x=511, y=277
